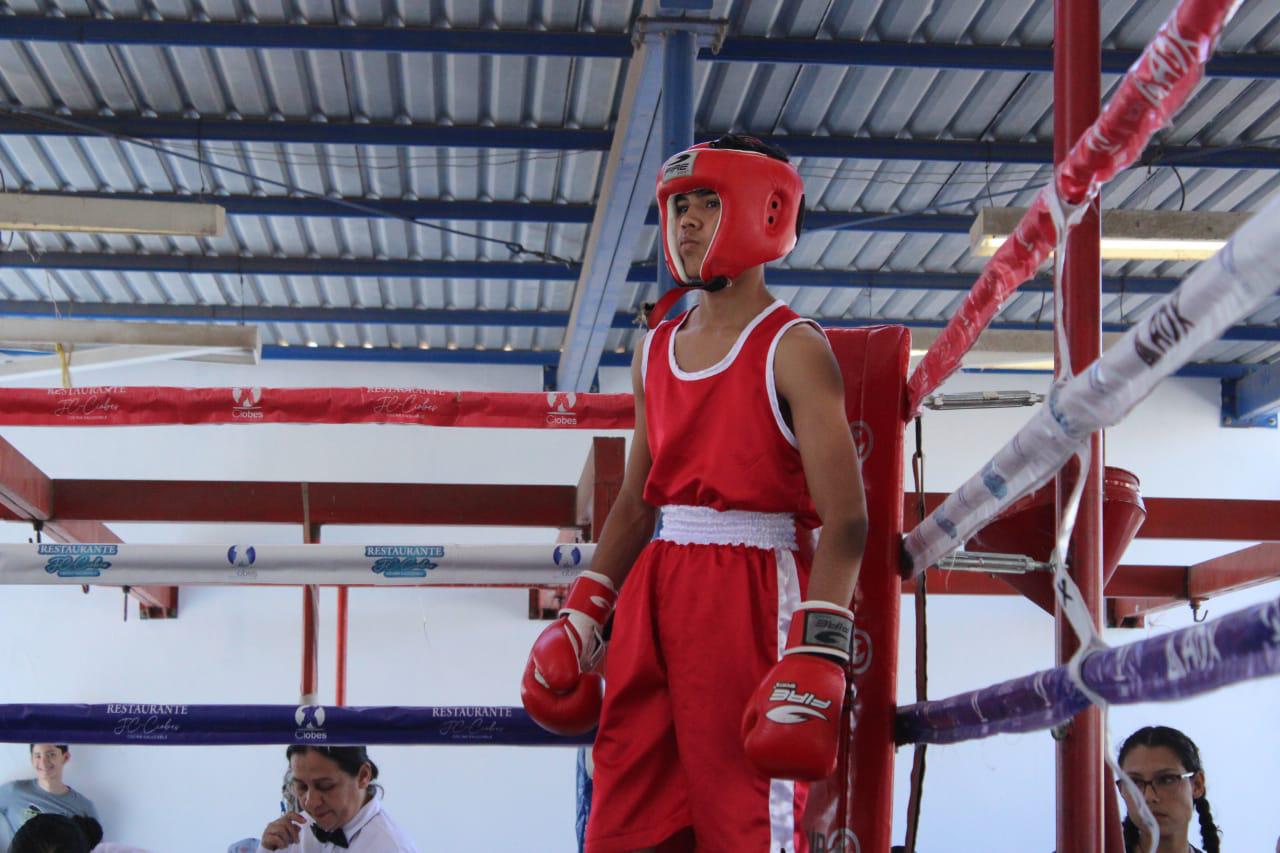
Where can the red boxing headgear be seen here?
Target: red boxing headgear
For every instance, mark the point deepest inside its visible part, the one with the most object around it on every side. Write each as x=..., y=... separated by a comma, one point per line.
x=761, y=207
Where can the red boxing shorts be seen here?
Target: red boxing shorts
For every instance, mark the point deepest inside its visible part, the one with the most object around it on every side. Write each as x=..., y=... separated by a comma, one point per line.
x=697, y=626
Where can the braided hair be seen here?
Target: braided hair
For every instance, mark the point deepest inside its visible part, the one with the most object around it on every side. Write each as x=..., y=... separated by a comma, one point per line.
x=1189, y=755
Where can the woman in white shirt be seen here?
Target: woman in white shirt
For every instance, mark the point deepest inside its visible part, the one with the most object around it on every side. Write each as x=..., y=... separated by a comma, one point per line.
x=341, y=808
x=1165, y=766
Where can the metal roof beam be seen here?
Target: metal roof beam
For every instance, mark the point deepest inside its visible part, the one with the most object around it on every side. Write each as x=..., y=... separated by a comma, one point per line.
x=545, y=358
x=478, y=318
x=232, y=264
x=435, y=355
x=620, y=208
x=429, y=209
x=1252, y=400
x=221, y=34
x=84, y=30
x=514, y=271
x=962, y=57
x=523, y=211
x=219, y=129
x=300, y=314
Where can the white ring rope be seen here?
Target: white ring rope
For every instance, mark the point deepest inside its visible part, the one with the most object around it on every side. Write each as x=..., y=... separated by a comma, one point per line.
x=242, y=564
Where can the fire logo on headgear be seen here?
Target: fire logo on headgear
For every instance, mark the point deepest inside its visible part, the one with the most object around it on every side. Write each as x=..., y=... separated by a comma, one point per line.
x=310, y=720
x=679, y=166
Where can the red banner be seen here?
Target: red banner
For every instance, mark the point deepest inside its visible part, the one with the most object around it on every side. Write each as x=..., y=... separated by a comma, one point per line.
x=1155, y=88
x=138, y=406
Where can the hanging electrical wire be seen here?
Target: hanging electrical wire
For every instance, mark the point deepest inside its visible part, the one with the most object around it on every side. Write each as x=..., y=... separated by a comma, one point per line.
x=513, y=246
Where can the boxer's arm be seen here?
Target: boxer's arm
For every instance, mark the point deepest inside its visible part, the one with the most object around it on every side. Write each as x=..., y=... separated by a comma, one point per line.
x=808, y=378
x=630, y=523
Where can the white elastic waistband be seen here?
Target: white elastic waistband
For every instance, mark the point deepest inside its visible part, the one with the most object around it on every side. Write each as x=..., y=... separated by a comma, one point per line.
x=702, y=525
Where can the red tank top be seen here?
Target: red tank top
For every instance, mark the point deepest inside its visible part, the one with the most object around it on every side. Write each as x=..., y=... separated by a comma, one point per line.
x=717, y=436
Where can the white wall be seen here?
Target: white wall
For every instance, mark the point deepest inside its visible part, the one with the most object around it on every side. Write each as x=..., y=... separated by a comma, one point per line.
x=468, y=647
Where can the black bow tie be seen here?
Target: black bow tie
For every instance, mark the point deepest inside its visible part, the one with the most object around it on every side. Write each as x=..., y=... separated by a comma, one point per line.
x=337, y=837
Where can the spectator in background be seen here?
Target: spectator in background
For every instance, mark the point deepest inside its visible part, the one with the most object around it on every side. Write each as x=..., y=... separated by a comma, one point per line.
x=49, y=833
x=1165, y=765
x=341, y=807
x=47, y=793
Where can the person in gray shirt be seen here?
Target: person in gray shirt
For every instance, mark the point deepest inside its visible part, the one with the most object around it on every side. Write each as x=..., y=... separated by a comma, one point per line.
x=46, y=794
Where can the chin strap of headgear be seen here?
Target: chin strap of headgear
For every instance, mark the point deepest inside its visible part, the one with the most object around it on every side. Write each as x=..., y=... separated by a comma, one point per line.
x=659, y=310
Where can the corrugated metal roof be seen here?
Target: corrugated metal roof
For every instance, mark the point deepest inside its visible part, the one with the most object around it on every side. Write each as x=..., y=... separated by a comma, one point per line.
x=341, y=109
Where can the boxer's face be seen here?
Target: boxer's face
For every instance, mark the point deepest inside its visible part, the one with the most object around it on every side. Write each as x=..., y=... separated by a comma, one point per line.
x=327, y=792
x=697, y=215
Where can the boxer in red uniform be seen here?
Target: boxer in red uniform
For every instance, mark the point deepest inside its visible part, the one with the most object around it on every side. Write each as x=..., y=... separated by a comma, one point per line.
x=726, y=674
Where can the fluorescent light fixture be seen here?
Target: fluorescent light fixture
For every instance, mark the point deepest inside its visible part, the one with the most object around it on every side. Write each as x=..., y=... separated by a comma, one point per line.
x=41, y=366
x=1004, y=348
x=66, y=212
x=130, y=340
x=1133, y=235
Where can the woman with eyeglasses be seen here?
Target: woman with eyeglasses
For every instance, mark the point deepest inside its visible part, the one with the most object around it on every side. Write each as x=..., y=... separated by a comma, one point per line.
x=1165, y=766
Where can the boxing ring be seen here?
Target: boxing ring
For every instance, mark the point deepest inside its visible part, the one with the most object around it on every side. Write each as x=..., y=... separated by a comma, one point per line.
x=851, y=811
x=874, y=363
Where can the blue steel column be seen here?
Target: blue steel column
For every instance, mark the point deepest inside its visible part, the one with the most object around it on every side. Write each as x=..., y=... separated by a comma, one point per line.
x=677, y=121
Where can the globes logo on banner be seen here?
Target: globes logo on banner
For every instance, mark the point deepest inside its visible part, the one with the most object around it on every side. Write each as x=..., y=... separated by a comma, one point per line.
x=567, y=557
x=562, y=405
x=246, y=404
x=310, y=720
x=243, y=557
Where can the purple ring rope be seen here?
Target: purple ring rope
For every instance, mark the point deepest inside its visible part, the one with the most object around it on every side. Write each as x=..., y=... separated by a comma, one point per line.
x=318, y=725
x=1197, y=659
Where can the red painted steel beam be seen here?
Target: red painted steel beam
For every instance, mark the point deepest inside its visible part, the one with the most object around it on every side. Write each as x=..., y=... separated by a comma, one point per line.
x=539, y=506
x=1210, y=518
x=340, y=667
x=25, y=490
x=1134, y=581
x=310, y=682
x=27, y=494
x=600, y=484
x=1131, y=612
x=1187, y=518
x=1238, y=570
x=1077, y=95
x=330, y=503
x=1135, y=590
x=942, y=582
x=154, y=602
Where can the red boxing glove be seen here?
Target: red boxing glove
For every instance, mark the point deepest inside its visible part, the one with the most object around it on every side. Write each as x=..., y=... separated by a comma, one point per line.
x=791, y=727
x=560, y=689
